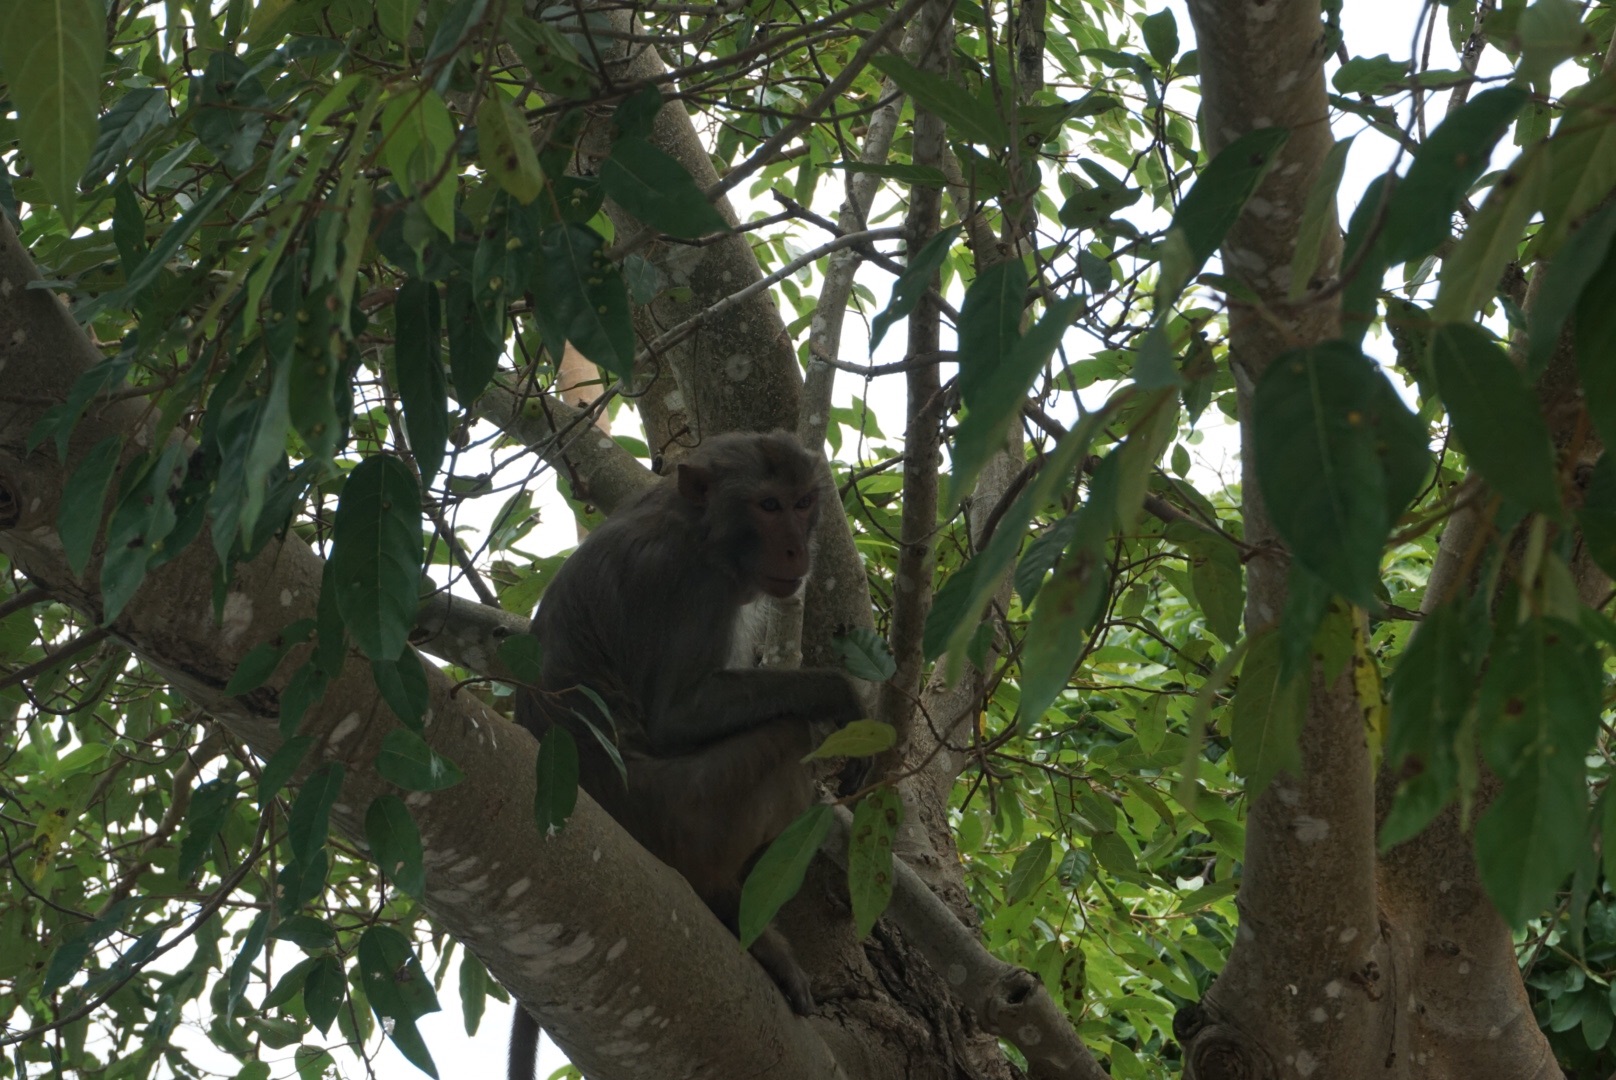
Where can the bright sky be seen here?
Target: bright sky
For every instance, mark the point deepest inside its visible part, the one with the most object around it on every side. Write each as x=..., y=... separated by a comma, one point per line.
x=1371, y=26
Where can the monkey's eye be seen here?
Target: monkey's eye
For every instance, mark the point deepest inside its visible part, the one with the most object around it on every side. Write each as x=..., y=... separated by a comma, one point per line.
x=771, y=504
x=805, y=502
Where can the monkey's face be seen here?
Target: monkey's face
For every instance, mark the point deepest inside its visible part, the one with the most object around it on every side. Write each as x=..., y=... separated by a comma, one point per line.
x=783, y=518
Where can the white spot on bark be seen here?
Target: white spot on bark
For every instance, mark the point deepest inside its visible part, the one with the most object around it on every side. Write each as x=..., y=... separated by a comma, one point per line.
x=341, y=808
x=594, y=856
x=636, y=1017
x=1286, y=81
x=1259, y=207
x=345, y=727
x=617, y=949
x=518, y=887
x=1028, y=1035
x=417, y=799
x=1443, y=886
x=1289, y=796
x=18, y=336
x=1310, y=830
x=1246, y=933
x=738, y=368
x=1494, y=1031
x=1332, y=989
x=675, y=401
x=238, y=615
x=465, y=866
x=1348, y=934
x=1305, y=1063
x=956, y=974
x=286, y=598
x=1318, y=1015
x=1464, y=967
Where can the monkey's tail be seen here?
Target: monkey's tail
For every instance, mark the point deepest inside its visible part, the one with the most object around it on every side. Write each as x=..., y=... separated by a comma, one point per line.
x=524, y=1060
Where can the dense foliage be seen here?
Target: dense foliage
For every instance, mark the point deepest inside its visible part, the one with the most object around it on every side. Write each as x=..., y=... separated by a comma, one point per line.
x=311, y=235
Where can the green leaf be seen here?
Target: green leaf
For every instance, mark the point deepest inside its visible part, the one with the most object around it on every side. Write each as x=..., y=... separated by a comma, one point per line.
x=1030, y=869
x=304, y=688
x=1216, y=576
x=324, y=990
x=779, y=872
x=129, y=119
x=396, y=18
x=1597, y=516
x=506, y=148
x=310, y=819
x=265, y=445
x=1531, y=837
x=990, y=326
x=306, y=932
x=1161, y=36
x=280, y=767
x=555, y=788
x=523, y=655
x=586, y=301
x=1471, y=271
x=658, y=191
x=1072, y=600
x=395, y=844
x=473, y=355
x=398, y=990
x=1211, y=207
x=1595, y=342
x=84, y=498
x=376, y=555
x=999, y=384
x=407, y=761
x=1495, y=414
x=403, y=685
x=210, y=807
x=418, y=146
x=140, y=523
x=861, y=738
x=262, y=660
x=421, y=386
x=1431, y=691
x=241, y=965
x=1420, y=211
x=869, y=856
x=1268, y=714
x=230, y=110
x=977, y=120
x=1566, y=280
x=1338, y=457
x=51, y=53
x=301, y=880
x=865, y=654
x=1540, y=697
x=913, y=283
x=474, y=987
x=1370, y=74
x=1582, y=162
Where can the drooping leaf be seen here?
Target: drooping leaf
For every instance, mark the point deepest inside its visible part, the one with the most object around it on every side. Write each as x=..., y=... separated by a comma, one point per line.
x=913, y=283
x=310, y=819
x=990, y=325
x=1495, y=415
x=1338, y=458
x=406, y=760
x=1567, y=277
x=141, y=521
x=1211, y=207
x=997, y=398
x=51, y=53
x=1269, y=712
x=324, y=990
x=418, y=145
x=1471, y=271
x=403, y=685
x=210, y=807
x=1216, y=575
x=1030, y=869
x=421, y=387
x=506, y=147
x=586, y=302
x=395, y=844
x=1161, y=36
x=1419, y=213
x=657, y=190
x=869, y=856
x=376, y=554
x=398, y=991
x=555, y=790
x=84, y=499
x=779, y=872
x=1597, y=516
x=1595, y=340
x=973, y=117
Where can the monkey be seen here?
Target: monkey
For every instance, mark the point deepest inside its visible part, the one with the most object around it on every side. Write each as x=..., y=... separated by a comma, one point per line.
x=646, y=616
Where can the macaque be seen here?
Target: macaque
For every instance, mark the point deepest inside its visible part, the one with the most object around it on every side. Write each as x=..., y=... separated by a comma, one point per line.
x=646, y=615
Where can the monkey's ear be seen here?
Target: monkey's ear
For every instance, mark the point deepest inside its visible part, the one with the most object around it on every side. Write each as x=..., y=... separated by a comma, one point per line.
x=695, y=483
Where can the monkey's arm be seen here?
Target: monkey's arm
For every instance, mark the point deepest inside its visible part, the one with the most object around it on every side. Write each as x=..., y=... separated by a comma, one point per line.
x=731, y=701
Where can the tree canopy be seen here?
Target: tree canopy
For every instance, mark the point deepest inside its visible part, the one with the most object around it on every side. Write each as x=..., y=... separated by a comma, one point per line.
x=1299, y=768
